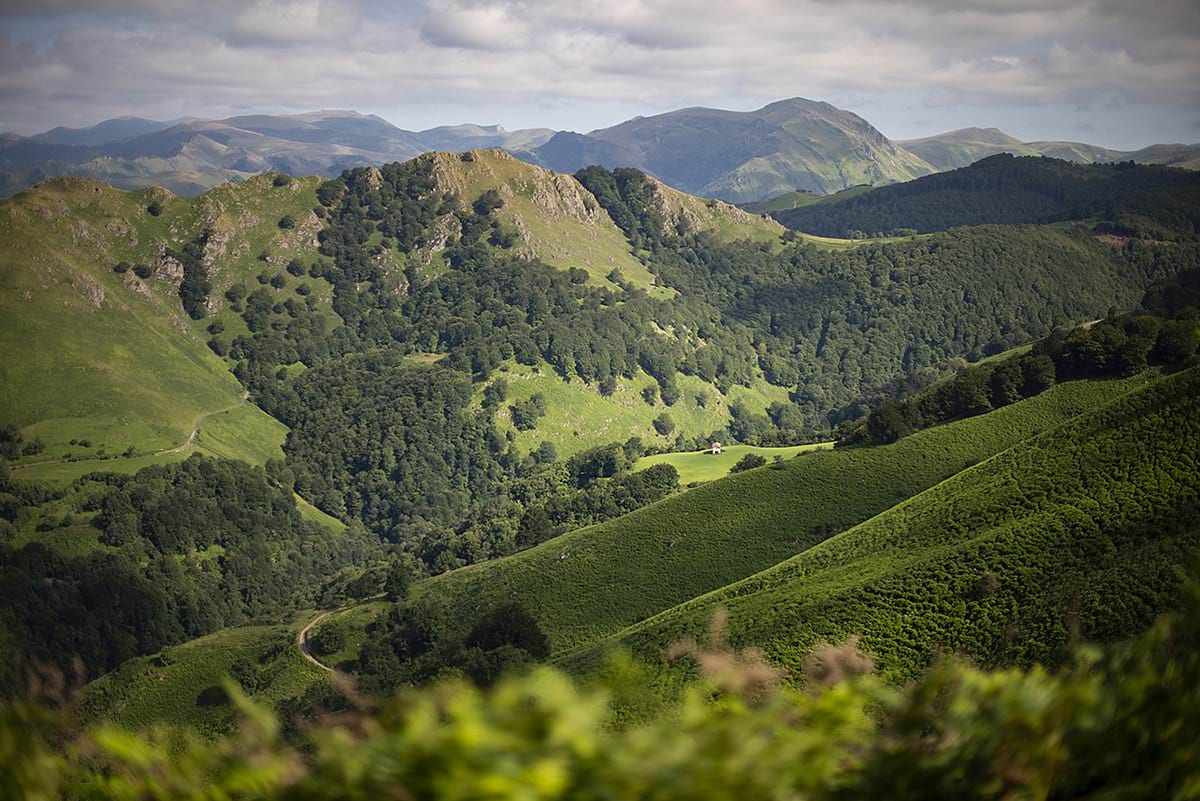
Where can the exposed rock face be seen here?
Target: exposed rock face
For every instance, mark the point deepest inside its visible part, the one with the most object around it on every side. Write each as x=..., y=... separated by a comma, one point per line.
x=444, y=229
x=562, y=197
x=89, y=288
x=168, y=268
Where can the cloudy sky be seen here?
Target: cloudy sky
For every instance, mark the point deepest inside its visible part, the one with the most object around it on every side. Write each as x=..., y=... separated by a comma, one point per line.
x=1112, y=72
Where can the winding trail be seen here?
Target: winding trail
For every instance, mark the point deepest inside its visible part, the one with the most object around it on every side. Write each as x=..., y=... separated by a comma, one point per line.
x=302, y=642
x=190, y=439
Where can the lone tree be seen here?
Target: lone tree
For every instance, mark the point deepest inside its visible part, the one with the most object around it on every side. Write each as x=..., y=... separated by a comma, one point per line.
x=508, y=623
x=397, y=582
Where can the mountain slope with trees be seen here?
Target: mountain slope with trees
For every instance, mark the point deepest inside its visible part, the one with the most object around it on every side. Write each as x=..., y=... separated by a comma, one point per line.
x=1152, y=202
x=743, y=156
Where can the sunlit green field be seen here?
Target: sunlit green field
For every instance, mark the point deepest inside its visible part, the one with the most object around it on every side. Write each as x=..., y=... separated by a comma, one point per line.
x=707, y=466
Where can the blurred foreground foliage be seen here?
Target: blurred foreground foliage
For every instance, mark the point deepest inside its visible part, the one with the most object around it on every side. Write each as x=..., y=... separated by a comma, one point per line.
x=1121, y=723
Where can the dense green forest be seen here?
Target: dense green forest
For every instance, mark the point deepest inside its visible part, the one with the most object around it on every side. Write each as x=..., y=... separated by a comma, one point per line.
x=1162, y=332
x=1128, y=199
x=175, y=552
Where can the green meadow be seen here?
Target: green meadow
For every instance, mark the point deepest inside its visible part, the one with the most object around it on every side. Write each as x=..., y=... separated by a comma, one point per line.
x=696, y=466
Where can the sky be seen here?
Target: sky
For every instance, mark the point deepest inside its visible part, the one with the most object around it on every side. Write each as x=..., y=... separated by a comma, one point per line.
x=1117, y=73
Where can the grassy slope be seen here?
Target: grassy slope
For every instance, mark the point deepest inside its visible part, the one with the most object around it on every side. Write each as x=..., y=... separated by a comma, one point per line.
x=179, y=688
x=1063, y=522
x=794, y=200
x=244, y=432
x=111, y=358
x=590, y=583
x=701, y=466
x=559, y=221
x=87, y=356
x=579, y=417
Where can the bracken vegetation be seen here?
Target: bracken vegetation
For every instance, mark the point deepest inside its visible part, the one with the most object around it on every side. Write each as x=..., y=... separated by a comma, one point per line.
x=1114, y=725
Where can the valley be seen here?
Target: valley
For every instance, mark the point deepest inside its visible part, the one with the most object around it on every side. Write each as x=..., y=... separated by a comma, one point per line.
x=451, y=418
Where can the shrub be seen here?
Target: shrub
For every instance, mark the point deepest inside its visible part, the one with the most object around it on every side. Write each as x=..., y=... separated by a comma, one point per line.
x=525, y=413
x=122, y=267
x=748, y=462
x=154, y=209
x=663, y=424
x=488, y=202
x=329, y=638
x=287, y=222
x=281, y=180
x=142, y=270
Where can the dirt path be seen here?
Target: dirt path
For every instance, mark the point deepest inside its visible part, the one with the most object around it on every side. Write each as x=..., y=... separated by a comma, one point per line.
x=302, y=642
x=191, y=438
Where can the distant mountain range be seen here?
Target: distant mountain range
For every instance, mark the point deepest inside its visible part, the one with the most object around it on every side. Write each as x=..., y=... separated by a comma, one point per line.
x=788, y=145
x=190, y=156
x=948, y=151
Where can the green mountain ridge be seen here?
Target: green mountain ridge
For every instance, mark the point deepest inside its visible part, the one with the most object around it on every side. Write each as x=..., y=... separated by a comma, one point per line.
x=467, y=360
x=953, y=149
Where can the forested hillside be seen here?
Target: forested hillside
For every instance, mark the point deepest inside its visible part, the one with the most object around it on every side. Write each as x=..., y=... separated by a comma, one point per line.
x=1130, y=200
x=119, y=566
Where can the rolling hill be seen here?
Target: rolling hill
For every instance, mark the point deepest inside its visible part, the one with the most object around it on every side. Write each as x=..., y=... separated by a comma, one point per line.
x=953, y=149
x=590, y=583
x=1077, y=532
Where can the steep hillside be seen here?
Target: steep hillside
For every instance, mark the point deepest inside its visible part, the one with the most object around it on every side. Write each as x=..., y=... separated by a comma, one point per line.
x=110, y=358
x=743, y=156
x=954, y=149
x=183, y=684
x=1077, y=532
x=590, y=583
x=555, y=218
x=728, y=223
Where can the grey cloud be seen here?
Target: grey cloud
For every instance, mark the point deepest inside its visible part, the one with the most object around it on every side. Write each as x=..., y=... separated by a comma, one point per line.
x=171, y=57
